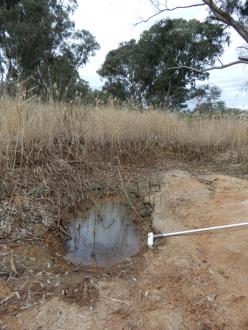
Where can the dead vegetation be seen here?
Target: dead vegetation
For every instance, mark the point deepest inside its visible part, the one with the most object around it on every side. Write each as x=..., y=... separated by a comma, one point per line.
x=57, y=160
x=35, y=133
x=54, y=156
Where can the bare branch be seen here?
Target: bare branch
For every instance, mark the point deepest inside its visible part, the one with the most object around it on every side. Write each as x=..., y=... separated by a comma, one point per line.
x=226, y=18
x=218, y=67
x=160, y=11
x=181, y=7
x=243, y=47
x=244, y=59
x=218, y=14
x=219, y=60
x=240, y=61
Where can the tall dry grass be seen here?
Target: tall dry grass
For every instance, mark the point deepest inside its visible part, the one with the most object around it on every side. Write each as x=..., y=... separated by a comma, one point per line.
x=48, y=153
x=36, y=133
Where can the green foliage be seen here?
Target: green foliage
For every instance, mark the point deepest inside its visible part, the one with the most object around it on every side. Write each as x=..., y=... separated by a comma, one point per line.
x=208, y=99
x=142, y=71
x=120, y=69
x=38, y=39
x=8, y=4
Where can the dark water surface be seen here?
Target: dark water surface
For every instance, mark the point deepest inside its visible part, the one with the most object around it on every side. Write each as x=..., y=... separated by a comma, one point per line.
x=104, y=236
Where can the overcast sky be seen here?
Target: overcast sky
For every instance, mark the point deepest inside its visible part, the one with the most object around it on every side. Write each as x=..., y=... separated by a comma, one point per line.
x=112, y=21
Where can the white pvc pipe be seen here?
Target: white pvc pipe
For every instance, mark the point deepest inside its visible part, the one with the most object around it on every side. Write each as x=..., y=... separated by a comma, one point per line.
x=151, y=236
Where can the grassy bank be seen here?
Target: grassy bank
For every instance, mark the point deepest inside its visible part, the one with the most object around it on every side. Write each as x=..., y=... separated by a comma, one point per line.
x=38, y=133
x=55, y=159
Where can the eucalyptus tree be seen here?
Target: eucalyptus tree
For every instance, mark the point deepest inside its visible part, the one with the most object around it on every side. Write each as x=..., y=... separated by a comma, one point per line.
x=40, y=44
x=147, y=71
x=230, y=14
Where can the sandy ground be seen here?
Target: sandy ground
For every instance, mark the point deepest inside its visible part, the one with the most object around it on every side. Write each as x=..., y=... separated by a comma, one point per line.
x=190, y=282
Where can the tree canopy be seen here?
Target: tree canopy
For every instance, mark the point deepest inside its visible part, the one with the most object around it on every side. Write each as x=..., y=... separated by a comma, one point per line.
x=207, y=99
x=227, y=13
x=39, y=42
x=142, y=71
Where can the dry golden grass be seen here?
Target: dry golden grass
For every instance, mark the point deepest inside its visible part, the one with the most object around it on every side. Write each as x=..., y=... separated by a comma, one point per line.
x=49, y=153
x=34, y=132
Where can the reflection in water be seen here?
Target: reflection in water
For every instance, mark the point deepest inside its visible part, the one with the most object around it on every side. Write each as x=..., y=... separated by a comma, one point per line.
x=105, y=236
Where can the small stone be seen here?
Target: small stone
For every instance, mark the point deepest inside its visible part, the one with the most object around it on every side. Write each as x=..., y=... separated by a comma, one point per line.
x=211, y=297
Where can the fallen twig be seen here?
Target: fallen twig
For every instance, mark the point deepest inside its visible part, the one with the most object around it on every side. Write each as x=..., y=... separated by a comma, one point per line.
x=117, y=300
x=5, y=300
x=13, y=263
x=4, y=274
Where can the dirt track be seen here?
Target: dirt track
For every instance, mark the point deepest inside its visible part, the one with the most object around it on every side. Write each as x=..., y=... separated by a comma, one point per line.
x=193, y=282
